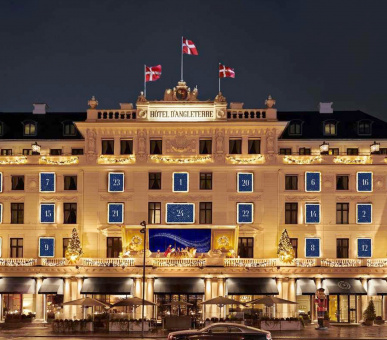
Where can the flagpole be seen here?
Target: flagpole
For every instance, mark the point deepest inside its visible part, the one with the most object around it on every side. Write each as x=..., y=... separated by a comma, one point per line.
x=181, y=71
x=219, y=77
x=145, y=81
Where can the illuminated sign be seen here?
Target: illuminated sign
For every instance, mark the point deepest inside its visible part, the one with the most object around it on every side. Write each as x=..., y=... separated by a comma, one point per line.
x=180, y=213
x=364, y=181
x=364, y=213
x=312, y=247
x=180, y=182
x=364, y=247
x=312, y=181
x=116, y=182
x=245, y=213
x=245, y=182
x=312, y=213
x=47, y=182
x=46, y=246
x=47, y=213
x=115, y=213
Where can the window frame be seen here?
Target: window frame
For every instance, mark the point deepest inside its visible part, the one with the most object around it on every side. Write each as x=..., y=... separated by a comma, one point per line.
x=15, y=187
x=342, y=249
x=205, y=213
x=130, y=146
x=108, y=140
x=352, y=150
x=205, y=180
x=291, y=214
x=364, y=121
x=30, y=123
x=295, y=123
x=17, y=247
x=347, y=181
x=19, y=213
x=69, y=123
x=293, y=176
x=294, y=243
x=239, y=140
x=64, y=248
x=331, y=123
x=68, y=208
x=259, y=146
x=115, y=247
x=153, y=140
x=285, y=151
x=153, y=208
x=201, y=140
x=249, y=247
x=306, y=151
x=155, y=180
x=342, y=212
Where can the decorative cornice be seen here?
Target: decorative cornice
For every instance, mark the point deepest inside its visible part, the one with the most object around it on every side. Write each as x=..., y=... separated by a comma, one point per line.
x=353, y=198
x=115, y=196
x=302, y=198
x=179, y=197
x=245, y=197
x=11, y=198
x=58, y=198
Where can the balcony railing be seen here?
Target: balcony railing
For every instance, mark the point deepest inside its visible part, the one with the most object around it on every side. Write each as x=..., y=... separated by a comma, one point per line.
x=340, y=263
x=250, y=263
x=109, y=262
x=246, y=114
x=54, y=262
x=185, y=262
x=377, y=263
x=20, y=262
x=117, y=115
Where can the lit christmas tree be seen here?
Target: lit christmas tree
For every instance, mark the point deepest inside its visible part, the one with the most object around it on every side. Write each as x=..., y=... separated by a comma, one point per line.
x=285, y=250
x=74, y=249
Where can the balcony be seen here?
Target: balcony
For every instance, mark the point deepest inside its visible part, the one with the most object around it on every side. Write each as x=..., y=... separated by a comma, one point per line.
x=184, y=262
x=116, y=115
x=340, y=263
x=18, y=262
x=377, y=263
x=109, y=262
x=246, y=114
x=54, y=262
x=250, y=263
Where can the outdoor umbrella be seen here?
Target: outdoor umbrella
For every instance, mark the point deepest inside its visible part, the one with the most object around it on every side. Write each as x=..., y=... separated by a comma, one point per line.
x=86, y=302
x=133, y=301
x=221, y=301
x=178, y=303
x=270, y=301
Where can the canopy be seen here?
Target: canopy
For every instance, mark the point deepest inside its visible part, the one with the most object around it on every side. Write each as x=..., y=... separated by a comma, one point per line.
x=17, y=285
x=343, y=287
x=86, y=302
x=52, y=286
x=107, y=285
x=306, y=287
x=377, y=287
x=258, y=286
x=133, y=301
x=178, y=285
x=221, y=301
x=269, y=301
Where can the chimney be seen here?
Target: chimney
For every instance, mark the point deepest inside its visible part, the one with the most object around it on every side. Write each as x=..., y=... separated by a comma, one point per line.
x=325, y=107
x=40, y=108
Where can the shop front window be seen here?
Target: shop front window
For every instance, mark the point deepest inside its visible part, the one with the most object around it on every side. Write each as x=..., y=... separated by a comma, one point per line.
x=194, y=310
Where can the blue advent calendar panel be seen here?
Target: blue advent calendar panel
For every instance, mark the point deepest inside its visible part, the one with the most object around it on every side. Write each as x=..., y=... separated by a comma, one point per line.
x=312, y=247
x=47, y=213
x=1, y=182
x=180, y=182
x=363, y=213
x=313, y=181
x=116, y=213
x=364, y=247
x=364, y=181
x=116, y=182
x=47, y=182
x=245, y=212
x=312, y=213
x=180, y=213
x=46, y=246
x=245, y=182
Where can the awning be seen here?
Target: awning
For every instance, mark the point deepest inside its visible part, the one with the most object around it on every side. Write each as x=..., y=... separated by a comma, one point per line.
x=377, y=287
x=343, y=287
x=306, y=287
x=52, y=286
x=107, y=285
x=17, y=285
x=179, y=285
x=243, y=286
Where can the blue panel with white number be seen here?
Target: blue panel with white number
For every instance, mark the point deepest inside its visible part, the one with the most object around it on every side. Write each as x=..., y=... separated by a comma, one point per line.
x=364, y=247
x=364, y=181
x=47, y=182
x=245, y=213
x=312, y=181
x=312, y=213
x=245, y=182
x=116, y=213
x=47, y=213
x=46, y=246
x=364, y=213
x=180, y=182
x=180, y=213
x=1, y=182
x=116, y=182
x=312, y=247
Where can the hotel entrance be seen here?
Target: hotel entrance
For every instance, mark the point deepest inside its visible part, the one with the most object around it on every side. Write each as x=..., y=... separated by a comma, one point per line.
x=342, y=308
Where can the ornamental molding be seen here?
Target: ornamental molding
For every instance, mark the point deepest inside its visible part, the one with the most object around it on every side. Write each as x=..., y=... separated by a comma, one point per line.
x=179, y=197
x=379, y=182
x=115, y=196
x=245, y=197
x=354, y=198
x=32, y=183
x=11, y=198
x=58, y=198
x=302, y=198
x=181, y=143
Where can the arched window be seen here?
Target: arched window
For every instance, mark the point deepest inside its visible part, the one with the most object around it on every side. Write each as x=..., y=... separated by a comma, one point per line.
x=295, y=128
x=364, y=127
x=68, y=128
x=330, y=129
x=30, y=128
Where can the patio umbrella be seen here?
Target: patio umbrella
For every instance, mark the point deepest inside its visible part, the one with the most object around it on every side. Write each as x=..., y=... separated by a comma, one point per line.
x=221, y=301
x=270, y=301
x=134, y=302
x=86, y=302
x=178, y=303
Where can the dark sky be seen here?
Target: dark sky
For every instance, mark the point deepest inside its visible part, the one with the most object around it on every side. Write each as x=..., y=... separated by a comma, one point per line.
x=300, y=52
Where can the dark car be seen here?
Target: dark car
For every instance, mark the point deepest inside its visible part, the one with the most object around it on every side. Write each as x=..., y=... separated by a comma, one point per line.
x=222, y=331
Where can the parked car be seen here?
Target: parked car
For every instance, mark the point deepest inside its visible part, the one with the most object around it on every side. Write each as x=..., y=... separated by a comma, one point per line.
x=222, y=331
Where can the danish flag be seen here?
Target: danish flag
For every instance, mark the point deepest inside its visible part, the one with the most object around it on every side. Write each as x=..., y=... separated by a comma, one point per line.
x=152, y=73
x=226, y=72
x=189, y=47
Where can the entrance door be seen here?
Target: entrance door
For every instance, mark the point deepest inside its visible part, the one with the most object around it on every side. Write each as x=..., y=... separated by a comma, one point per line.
x=333, y=308
x=342, y=308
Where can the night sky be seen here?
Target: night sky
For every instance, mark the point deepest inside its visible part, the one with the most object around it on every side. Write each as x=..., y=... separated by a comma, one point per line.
x=300, y=52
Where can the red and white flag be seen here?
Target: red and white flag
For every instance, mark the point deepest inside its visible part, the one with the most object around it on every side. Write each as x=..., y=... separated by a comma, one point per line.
x=189, y=47
x=226, y=72
x=152, y=73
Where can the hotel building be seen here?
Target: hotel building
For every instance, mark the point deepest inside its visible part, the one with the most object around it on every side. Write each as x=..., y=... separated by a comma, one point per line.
x=216, y=184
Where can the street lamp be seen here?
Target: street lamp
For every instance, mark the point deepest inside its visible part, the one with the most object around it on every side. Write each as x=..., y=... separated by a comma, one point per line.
x=35, y=148
x=143, y=231
x=375, y=147
x=324, y=148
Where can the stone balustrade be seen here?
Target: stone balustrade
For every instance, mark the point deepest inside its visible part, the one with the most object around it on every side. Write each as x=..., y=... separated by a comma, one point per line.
x=341, y=263
x=54, y=262
x=18, y=262
x=184, y=262
x=108, y=262
x=377, y=263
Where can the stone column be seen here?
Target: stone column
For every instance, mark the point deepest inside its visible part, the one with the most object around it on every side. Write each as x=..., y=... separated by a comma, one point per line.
x=292, y=296
x=39, y=301
x=66, y=298
x=221, y=292
x=117, y=145
x=279, y=310
x=150, y=297
x=207, y=296
x=384, y=307
x=77, y=295
x=1, y=307
x=364, y=298
x=138, y=293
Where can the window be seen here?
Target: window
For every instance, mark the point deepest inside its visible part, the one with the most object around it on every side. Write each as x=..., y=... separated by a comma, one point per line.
x=27, y=152
x=219, y=329
x=330, y=129
x=66, y=242
x=294, y=242
x=285, y=151
x=17, y=182
x=205, y=146
x=304, y=151
x=383, y=151
x=342, y=248
x=156, y=147
x=205, y=216
x=29, y=129
x=291, y=182
x=154, y=212
x=17, y=213
x=364, y=127
x=333, y=151
x=295, y=128
x=235, y=146
x=77, y=152
x=342, y=213
x=254, y=146
x=108, y=147
x=291, y=213
x=205, y=181
x=352, y=151
x=126, y=147
x=69, y=213
x=68, y=129
x=16, y=248
x=55, y=152
x=6, y=152
x=114, y=247
x=342, y=182
x=154, y=180
x=246, y=247
x=70, y=182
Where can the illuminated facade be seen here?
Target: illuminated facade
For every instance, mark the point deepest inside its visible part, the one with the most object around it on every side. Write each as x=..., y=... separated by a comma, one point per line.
x=216, y=183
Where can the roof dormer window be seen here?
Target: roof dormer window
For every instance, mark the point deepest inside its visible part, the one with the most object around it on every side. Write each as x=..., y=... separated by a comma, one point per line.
x=330, y=128
x=29, y=128
x=295, y=128
x=68, y=128
x=364, y=128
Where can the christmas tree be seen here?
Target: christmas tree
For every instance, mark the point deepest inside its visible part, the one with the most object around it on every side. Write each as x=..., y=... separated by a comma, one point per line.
x=285, y=250
x=74, y=249
x=370, y=313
